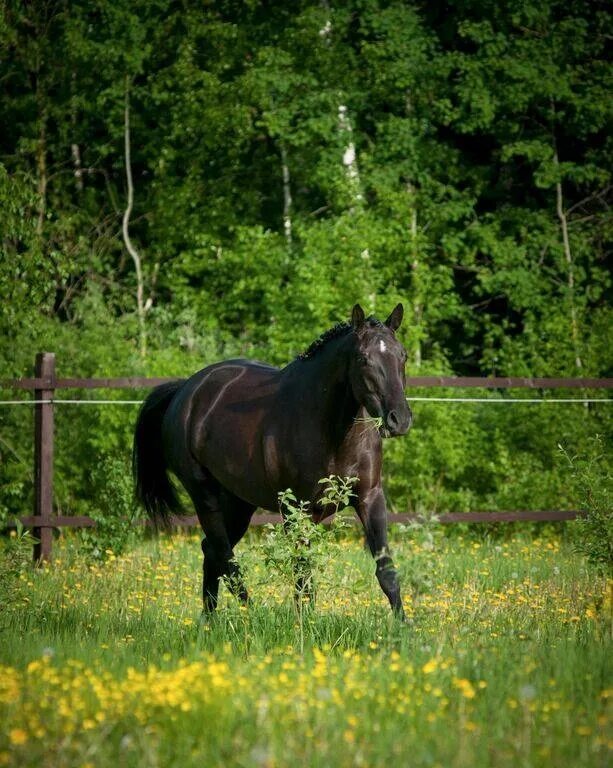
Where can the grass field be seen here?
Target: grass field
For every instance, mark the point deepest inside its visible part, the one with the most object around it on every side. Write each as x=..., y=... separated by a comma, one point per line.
x=506, y=660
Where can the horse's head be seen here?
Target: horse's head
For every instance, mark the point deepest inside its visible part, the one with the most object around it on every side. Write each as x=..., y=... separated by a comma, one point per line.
x=377, y=371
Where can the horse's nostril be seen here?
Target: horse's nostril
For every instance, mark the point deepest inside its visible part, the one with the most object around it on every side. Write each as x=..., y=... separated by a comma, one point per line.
x=392, y=419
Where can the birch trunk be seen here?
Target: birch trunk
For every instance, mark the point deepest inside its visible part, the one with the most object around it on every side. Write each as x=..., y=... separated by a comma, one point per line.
x=414, y=254
x=350, y=161
x=349, y=157
x=74, y=147
x=415, y=266
x=287, y=198
x=140, y=303
x=344, y=125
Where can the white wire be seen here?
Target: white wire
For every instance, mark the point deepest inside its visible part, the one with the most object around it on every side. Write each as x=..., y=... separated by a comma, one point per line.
x=71, y=402
x=492, y=400
x=496, y=400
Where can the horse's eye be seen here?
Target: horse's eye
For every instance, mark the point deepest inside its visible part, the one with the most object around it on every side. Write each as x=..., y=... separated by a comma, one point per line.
x=362, y=360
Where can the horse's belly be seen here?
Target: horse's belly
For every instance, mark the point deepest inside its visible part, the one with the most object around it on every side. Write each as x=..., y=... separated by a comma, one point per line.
x=239, y=472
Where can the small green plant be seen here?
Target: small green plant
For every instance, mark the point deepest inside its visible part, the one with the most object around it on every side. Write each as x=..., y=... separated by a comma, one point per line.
x=117, y=516
x=293, y=549
x=301, y=546
x=15, y=559
x=339, y=492
x=593, y=484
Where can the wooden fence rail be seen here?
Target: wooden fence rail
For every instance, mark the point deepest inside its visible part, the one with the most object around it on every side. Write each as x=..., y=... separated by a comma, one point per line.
x=45, y=383
x=48, y=381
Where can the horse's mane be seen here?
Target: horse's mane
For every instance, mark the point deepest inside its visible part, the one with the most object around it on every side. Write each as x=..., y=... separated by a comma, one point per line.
x=340, y=329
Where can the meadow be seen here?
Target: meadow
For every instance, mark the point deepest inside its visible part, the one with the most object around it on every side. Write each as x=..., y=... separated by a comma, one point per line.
x=505, y=660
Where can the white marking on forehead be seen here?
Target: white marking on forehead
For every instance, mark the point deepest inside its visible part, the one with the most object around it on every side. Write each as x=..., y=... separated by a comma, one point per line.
x=382, y=346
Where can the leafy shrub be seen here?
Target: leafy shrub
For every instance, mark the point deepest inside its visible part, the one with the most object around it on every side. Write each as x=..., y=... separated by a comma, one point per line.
x=300, y=546
x=116, y=513
x=593, y=481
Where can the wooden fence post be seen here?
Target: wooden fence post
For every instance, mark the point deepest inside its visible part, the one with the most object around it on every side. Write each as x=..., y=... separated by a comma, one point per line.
x=44, y=369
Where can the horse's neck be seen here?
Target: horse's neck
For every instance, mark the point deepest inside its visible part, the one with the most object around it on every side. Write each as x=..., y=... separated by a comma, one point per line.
x=327, y=391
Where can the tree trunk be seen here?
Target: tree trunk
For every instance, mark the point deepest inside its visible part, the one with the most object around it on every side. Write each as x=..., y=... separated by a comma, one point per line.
x=415, y=267
x=74, y=147
x=140, y=302
x=574, y=326
x=350, y=161
x=287, y=198
x=349, y=157
x=568, y=255
x=41, y=165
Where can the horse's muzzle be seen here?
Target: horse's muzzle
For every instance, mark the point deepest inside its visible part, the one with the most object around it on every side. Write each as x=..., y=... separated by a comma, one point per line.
x=398, y=421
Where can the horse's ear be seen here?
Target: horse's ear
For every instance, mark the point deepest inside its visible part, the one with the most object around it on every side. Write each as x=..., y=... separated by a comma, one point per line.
x=394, y=320
x=357, y=316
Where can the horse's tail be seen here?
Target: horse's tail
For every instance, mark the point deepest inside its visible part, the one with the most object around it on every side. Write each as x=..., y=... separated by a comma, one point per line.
x=152, y=485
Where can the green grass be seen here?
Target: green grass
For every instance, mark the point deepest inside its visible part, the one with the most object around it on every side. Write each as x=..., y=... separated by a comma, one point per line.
x=504, y=662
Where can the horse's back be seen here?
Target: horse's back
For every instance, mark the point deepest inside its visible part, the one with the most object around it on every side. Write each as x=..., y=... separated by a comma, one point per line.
x=215, y=424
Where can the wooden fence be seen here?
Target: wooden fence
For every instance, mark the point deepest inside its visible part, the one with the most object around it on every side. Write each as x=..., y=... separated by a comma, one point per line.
x=45, y=384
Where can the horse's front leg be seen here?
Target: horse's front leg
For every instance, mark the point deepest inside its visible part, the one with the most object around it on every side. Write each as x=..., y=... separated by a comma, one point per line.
x=373, y=514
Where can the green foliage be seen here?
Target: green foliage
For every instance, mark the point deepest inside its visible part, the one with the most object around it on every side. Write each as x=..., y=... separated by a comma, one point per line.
x=294, y=549
x=15, y=562
x=338, y=493
x=593, y=479
x=301, y=547
x=117, y=516
x=470, y=125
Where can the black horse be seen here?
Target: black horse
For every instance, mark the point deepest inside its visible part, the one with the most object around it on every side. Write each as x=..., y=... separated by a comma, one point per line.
x=238, y=432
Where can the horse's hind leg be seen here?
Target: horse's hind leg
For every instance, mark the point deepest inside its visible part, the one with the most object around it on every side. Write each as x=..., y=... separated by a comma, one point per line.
x=237, y=516
x=224, y=520
x=211, y=573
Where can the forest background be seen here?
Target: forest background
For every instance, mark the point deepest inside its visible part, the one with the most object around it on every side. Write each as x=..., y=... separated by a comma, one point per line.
x=182, y=182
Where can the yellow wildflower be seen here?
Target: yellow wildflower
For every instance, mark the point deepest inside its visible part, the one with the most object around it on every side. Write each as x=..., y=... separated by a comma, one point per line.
x=465, y=687
x=430, y=666
x=18, y=736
